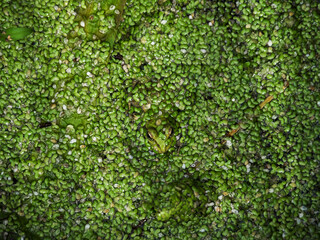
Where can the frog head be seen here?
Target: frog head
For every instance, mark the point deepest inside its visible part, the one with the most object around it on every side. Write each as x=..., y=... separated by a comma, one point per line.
x=179, y=199
x=161, y=134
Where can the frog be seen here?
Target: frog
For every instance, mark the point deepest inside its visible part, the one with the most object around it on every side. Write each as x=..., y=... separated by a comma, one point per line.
x=177, y=200
x=99, y=20
x=161, y=133
x=147, y=102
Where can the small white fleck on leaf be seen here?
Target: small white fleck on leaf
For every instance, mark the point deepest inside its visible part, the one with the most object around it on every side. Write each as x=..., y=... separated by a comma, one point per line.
x=87, y=227
x=229, y=143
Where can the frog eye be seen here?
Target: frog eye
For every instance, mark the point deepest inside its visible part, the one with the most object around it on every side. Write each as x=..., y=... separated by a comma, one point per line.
x=150, y=135
x=168, y=131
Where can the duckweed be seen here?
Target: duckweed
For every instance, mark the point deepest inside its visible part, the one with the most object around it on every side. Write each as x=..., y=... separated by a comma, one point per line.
x=237, y=83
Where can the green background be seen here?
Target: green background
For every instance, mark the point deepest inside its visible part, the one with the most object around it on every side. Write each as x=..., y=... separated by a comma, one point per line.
x=75, y=162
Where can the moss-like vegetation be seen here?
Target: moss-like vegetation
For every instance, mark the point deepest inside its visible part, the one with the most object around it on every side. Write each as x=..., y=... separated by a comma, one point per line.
x=86, y=86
